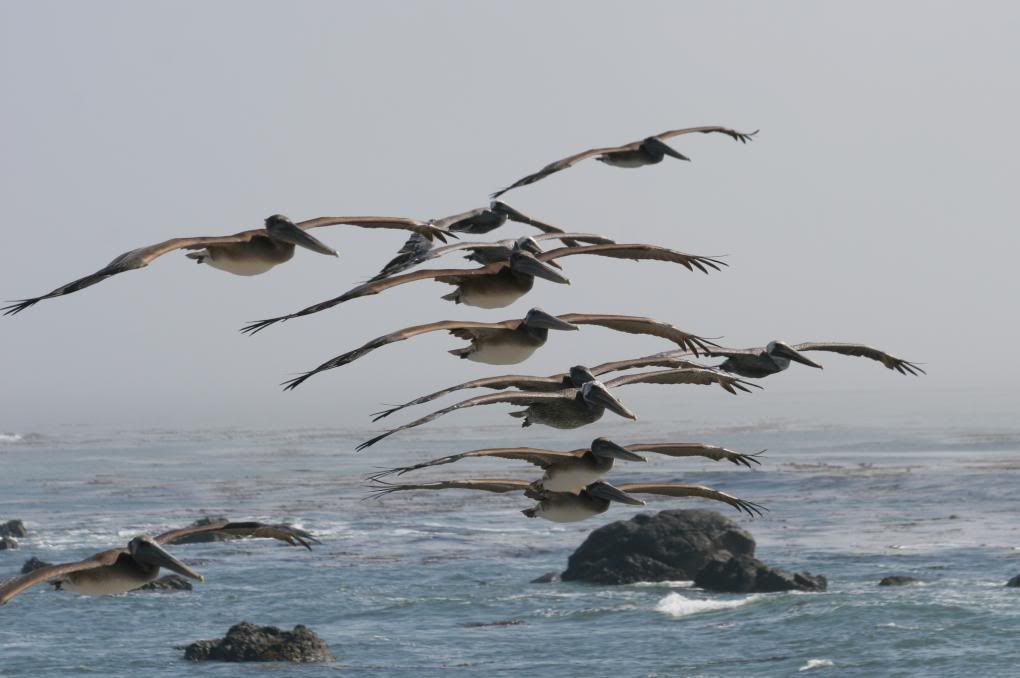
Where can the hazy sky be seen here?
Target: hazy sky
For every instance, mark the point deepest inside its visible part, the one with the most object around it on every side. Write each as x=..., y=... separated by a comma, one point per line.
x=877, y=204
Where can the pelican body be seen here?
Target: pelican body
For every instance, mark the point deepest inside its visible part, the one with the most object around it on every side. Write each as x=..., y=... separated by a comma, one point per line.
x=565, y=507
x=131, y=570
x=512, y=346
x=775, y=358
x=573, y=474
x=510, y=283
x=586, y=407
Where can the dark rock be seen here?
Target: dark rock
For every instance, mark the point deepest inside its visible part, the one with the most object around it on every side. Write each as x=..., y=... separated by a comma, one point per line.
x=246, y=642
x=1014, y=582
x=746, y=574
x=485, y=625
x=7, y=543
x=171, y=582
x=33, y=563
x=13, y=528
x=898, y=580
x=547, y=578
x=669, y=545
x=204, y=537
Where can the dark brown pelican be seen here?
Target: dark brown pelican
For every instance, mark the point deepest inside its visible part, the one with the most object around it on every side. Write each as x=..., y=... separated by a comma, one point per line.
x=500, y=284
x=246, y=253
x=513, y=341
x=124, y=569
x=755, y=363
x=565, y=507
x=573, y=471
x=648, y=151
x=581, y=405
x=484, y=219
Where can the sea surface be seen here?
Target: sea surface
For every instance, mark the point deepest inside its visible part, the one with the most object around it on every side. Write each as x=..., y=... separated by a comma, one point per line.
x=438, y=583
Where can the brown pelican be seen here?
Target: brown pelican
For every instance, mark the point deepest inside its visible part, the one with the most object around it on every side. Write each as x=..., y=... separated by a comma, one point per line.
x=500, y=284
x=581, y=405
x=573, y=471
x=566, y=507
x=513, y=341
x=246, y=253
x=124, y=569
x=484, y=219
x=756, y=363
x=649, y=151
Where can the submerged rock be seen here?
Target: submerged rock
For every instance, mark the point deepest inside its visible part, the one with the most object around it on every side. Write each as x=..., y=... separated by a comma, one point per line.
x=665, y=546
x=204, y=537
x=33, y=564
x=898, y=580
x=746, y=574
x=1014, y=582
x=13, y=528
x=547, y=578
x=246, y=642
x=171, y=582
x=7, y=543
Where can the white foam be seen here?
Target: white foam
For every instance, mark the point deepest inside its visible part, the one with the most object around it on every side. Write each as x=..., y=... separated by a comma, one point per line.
x=10, y=438
x=815, y=664
x=677, y=605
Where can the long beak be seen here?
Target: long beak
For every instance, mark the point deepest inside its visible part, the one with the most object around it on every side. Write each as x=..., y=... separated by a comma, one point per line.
x=526, y=263
x=600, y=395
x=541, y=319
x=604, y=490
x=790, y=354
x=603, y=447
x=666, y=148
x=155, y=555
x=295, y=236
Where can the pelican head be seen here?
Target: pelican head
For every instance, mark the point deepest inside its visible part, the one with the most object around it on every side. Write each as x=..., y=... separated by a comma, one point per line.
x=596, y=393
x=500, y=207
x=607, y=449
x=527, y=264
x=528, y=244
x=782, y=353
x=539, y=319
x=658, y=146
x=146, y=551
x=579, y=375
x=283, y=229
x=603, y=490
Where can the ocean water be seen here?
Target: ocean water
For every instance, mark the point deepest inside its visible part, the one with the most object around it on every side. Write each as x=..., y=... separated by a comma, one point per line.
x=437, y=583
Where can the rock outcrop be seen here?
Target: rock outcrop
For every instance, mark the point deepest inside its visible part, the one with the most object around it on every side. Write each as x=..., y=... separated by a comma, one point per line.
x=246, y=642
x=32, y=564
x=1014, y=582
x=747, y=574
x=13, y=528
x=898, y=580
x=7, y=543
x=171, y=582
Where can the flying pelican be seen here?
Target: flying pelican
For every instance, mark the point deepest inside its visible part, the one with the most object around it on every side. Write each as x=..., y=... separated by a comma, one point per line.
x=756, y=363
x=566, y=507
x=124, y=569
x=581, y=405
x=501, y=283
x=513, y=341
x=246, y=253
x=573, y=471
x=484, y=219
x=649, y=151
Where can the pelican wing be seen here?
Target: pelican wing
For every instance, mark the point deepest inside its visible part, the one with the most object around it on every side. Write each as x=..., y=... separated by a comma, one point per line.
x=742, y=137
x=522, y=218
x=559, y=165
x=515, y=398
x=485, y=485
x=638, y=252
x=15, y=585
x=538, y=457
x=713, y=452
x=457, y=328
x=518, y=381
x=860, y=350
x=678, y=490
x=636, y=325
x=425, y=229
x=134, y=259
x=700, y=377
x=285, y=533
x=669, y=359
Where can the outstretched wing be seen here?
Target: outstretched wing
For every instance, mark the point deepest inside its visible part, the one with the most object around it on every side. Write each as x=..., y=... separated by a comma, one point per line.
x=15, y=585
x=557, y=166
x=134, y=259
x=518, y=381
x=515, y=398
x=285, y=533
x=639, y=252
x=455, y=327
x=484, y=485
x=670, y=359
x=425, y=229
x=742, y=137
x=713, y=452
x=862, y=351
x=532, y=455
x=636, y=325
x=700, y=377
x=678, y=490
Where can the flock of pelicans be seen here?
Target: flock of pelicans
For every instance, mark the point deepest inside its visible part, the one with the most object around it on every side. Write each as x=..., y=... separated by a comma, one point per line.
x=572, y=487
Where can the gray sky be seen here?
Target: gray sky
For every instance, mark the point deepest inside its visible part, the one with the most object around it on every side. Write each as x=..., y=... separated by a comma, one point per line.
x=877, y=203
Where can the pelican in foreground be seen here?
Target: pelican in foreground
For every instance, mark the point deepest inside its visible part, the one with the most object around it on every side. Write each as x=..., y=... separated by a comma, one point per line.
x=501, y=283
x=125, y=569
x=649, y=151
x=581, y=405
x=513, y=341
x=246, y=253
x=756, y=363
x=573, y=471
x=566, y=507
